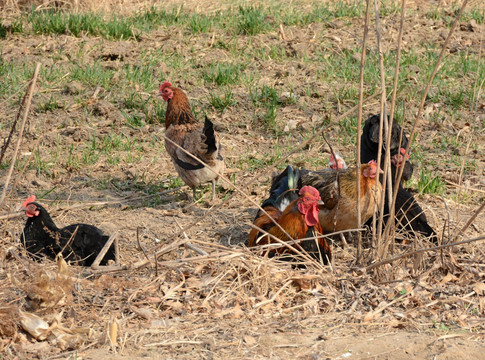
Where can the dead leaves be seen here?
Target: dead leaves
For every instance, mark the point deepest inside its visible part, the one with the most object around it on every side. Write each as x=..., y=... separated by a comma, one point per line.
x=52, y=331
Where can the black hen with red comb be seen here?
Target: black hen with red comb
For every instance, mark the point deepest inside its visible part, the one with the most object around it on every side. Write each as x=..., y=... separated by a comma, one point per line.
x=409, y=214
x=79, y=243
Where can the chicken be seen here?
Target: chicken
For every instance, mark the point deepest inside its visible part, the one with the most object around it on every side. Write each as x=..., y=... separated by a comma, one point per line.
x=337, y=162
x=296, y=213
x=339, y=209
x=79, y=243
x=370, y=146
x=409, y=214
x=199, y=140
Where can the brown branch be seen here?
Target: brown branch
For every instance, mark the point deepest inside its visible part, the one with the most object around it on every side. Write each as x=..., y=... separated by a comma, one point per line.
x=384, y=130
x=425, y=95
x=388, y=261
x=104, y=250
x=359, y=125
x=390, y=224
x=96, y=203
x=470, y=221
x=30, y=92
x=14, y=125
x=188, y=244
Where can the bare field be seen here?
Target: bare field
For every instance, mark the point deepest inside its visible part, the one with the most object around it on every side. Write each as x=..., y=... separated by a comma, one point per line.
x=269, y=77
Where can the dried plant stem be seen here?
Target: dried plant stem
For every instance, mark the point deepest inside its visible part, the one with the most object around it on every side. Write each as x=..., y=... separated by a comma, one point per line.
x=24, y=168
x=423, y=99
x=418, y=251
x=470, y=221
x=384, y=127
x=30, y=92
x=359, y=124
x=389, y=230
x=14, y=125
x=104, y=250
x=142, y=248
x=387, y=178
x=188, y=244
x=97, y=203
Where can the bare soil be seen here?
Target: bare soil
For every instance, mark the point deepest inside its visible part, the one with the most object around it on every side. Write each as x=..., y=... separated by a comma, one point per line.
x=233, y=304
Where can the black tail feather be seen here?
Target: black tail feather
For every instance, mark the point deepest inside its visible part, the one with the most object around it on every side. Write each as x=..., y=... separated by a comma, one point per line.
x=283, y=187
x=209, y=136
x=412, y=216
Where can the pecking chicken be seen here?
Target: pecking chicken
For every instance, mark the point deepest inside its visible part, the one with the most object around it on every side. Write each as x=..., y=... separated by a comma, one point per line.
x=339, y=193
x=199, y=140
x=296, y=213
x=409, y=214
x=79, y=243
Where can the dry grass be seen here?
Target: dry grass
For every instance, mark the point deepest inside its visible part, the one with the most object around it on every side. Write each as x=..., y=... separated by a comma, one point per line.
x=226, y=304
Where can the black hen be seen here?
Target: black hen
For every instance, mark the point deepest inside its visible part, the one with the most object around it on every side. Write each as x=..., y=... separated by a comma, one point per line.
x=370, y=146
x=79, y=243
x=409, y=214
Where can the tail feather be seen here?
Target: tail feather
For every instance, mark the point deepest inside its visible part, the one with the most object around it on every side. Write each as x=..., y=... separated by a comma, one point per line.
x=210, y=137
x=284, y=188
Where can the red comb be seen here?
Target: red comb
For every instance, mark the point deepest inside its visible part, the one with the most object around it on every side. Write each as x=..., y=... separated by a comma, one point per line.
x=29, y=200
x=403, y=152
x=310, y=190
x=164, y=85
x=372, y=162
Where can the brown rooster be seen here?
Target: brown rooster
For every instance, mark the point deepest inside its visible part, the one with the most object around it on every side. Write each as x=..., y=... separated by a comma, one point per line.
x=199, y=140
x=296, y=213
x=339, y=212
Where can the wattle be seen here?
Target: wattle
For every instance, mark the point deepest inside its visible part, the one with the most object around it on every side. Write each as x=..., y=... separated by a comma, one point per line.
x=311, y=216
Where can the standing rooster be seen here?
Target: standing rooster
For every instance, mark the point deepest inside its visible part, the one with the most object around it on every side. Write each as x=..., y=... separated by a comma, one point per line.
x=296, y=213
x=80, y=243
x=199, y=140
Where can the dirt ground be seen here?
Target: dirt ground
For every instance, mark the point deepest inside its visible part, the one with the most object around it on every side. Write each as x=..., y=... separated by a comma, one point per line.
x=231, y=304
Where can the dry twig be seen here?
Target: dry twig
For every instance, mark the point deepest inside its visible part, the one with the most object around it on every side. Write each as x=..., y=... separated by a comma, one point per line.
x=30, y=92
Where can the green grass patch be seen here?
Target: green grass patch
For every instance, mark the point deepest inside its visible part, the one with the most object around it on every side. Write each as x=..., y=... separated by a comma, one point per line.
x=223, y=101
x=109, y=27
x=50, y=105
x=92, y=75
x=252, y=20
x=430, y=183
x=223, y=73
x=16, y=26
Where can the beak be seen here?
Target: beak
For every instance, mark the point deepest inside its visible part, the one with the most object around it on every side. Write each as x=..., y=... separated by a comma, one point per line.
x=320, y=203
x=381, y=171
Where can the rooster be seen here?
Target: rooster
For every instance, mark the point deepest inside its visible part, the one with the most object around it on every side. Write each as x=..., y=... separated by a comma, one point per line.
x=80, y=243
x=409, y=214
x=338, y=190
x=199, y=140
x=296, y=213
